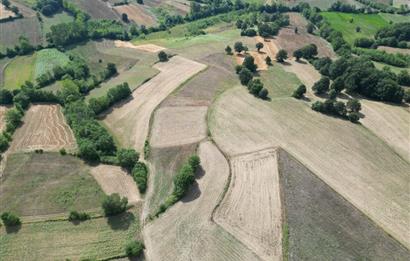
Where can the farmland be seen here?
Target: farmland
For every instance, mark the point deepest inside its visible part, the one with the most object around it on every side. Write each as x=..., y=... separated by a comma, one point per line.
x=47, y=59
x=137, y=13
x=22, y=66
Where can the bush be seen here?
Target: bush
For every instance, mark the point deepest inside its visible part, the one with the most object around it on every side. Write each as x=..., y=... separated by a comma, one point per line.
x=255, y=86
x=78, y=216
x=127, y=158
x=263, y=94
x=299, y=92
x=13, y=119
x=6, y=97
x=321, y=86
x=245, y=76
x=268, y=60
x=354, y=105
x=114, y=204
x=194, y=161
x=140, y=175
x=353, y=117
x=4, y=143
x=162, y=56
x=134, y=248
x=63, y=152
x=363, y=42
x=249, y=63
x=281, y=56
x=10, y=219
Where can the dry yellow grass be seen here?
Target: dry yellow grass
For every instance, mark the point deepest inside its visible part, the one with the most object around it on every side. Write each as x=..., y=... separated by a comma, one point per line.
x=251, y=209
x=44, y=128
x=186, y=230
x=174, y=126
x=351, y=159
x=143, y=47
x=113, y=179
x=130, y=121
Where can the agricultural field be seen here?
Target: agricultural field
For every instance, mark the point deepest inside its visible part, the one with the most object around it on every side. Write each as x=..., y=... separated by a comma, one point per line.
x=55, y=184
x=44, y=127
x=5, y=13
x=23, y=66
x=97, y=9
x=369, y=24
x=181, y=7
x=322, y=4
x=139, y=14
x=48, y=21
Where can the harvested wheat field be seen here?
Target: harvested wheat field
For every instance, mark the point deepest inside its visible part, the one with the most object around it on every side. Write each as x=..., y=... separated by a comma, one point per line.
x=254, y=218
x=3, y=110
x=290, y=41
x=259, y=58
x=369, y=174
x=186, y=231
x=130, y=120
x=175, y=126
x=113, y=179
x=44, y=128
x=143, y=47
x=137, y=13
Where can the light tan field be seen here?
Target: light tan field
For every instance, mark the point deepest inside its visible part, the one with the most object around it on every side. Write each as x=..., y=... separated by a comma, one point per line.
x=143, y=47
x=44, y=128
x=136, y=13
x=348, y=157
x=259, y=58
x=130, y=121
x=388, y=49
x=5, y=13
x=3, y=110
x=113, y=179
x=186, y=230
x=269, y=48
x=306, y=73
x=175, y=126
x=251, y=209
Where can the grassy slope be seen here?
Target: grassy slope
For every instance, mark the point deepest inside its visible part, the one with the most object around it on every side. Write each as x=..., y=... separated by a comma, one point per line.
x=369, y=24
x=95, y=239
x=41, y=184
x=47, y=59
x=58, y=18
x=23, y=66
x=324, y=226
x=395, y=18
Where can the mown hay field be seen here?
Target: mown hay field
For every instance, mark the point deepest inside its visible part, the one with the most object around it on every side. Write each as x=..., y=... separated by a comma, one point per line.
x=23, y=66
x=95, y=239
x=46, y=184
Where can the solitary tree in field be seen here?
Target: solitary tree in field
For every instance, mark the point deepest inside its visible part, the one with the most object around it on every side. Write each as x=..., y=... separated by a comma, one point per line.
x=259, y=46
x=298, y=54
x=114, y=204
x=238, y=47
x=296, y=30
x=162, y=56
x=124, y=18
x=268, y=60
x=9, y=219
x=321, y=86
x=281, y=56
x=228, y=50
x=299, y=92
x=358, y=29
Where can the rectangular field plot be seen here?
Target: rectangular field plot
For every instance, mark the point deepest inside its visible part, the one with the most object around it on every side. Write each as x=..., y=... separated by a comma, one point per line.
x=44, y=128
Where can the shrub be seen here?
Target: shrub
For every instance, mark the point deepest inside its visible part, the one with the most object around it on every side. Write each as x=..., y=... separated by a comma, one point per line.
x=238, y=68
x=183, y=179
x=228, y=50
x=263, y=94
x=255, y=86
x=249, y=63
x=6, y=97
x=78, y=216
x=194, y=161
x=10, y=219
x=299, y=92
x=134, y=248
x=354, y=105
x=114, y=204
x=268, y=60
x=13, y=119
x=281, y=56
x=127, y=158
x=63, y=151
x=321, y=86
x=363, y=42
x=162, y=56
x=353, y=117
x=4, y=143
x=140, y=175
x=245, y=76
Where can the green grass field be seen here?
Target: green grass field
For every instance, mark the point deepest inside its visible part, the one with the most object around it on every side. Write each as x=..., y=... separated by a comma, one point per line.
x=395, y=18
x=62, y=17
x=47, y=59
x=368, y=23
x=48, y=183
x=278, y=82
x=19, y=70
x=95, y=239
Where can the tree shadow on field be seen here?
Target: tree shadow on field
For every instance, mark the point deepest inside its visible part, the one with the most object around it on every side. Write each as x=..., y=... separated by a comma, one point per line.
x=285, y=63
x=193, y=193
x=122, y=221
x=12, y=229
x=116, y=105
x=200, y=172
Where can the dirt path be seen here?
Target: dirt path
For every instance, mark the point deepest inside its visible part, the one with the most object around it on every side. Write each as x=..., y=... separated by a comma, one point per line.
x=185, y=231
x=130, y=120
x=251, y=209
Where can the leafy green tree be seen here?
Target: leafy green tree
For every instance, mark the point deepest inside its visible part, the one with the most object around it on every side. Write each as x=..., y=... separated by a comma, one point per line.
x=134, y=248
x=299, y=92
x=183, y=179
x=162, y=56
x=353, y=117
x=263, y=94
x=134, y=30
x=310, y=27
x=78, y=216
x=141, y=2
x=255, y=86
x=298, y=54
x=194, y=161
x=337, y=85
x=332, y=94
x=239, y=47
x=245, y=76
x=88, y=151
x=354, y=105
x=406, y=96
x=268, y=60
x=340, y=108
x=317, y=106
x=127, y=158
x=13, y=119
x=259, y=46
x=6, y=3
x=228, y=50
x=140, y=175
x=10, y=219
x=249, y=63
x=321, y=86
x=114, y=204
x=281, y=56
x=6, y=97
x=124, y=18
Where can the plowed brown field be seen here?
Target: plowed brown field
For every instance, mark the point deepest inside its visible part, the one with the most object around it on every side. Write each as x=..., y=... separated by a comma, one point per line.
x=136, y=13
x=44, y=128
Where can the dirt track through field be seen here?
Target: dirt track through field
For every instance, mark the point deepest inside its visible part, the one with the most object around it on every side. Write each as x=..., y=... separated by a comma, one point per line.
x=358, y=164
x=113, y=179
x=251, y=209
x=44, y=128
x=136, y=13
x=186, y=231
x=130, y=121
x=175, y=126
x=143, y=47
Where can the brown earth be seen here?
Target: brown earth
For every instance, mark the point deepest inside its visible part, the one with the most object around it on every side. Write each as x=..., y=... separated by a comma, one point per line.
x=5, y=13
x=143, y=47
x=44, y=128
x=251, y=209
x=136, y=13
x=259, y=58
x=113, y=179
x=174, y=126
x=130, y=120
x=186, y=231
x=97, y=9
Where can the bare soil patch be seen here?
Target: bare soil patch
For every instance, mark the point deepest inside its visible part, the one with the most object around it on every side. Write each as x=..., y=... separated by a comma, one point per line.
x=388, y=49
x=175, y=126
x=144, y=47
x=319, y=218
x=269, y=47
x=251, y=209
x=136, y=13
x=259, y=58
x=44, y=128
x=186, y=231
x=359, y=165
x=113, y=179
x=5, y=13
x=130, y=120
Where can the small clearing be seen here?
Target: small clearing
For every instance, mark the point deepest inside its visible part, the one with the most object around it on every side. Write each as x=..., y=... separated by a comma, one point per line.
x=186, y=231
x=137, y=13
x=44, y=128
x=114, y=179
x=175, y=126
x=254, y=218
x=130, y=120
x=306, y=73
x=144, y=47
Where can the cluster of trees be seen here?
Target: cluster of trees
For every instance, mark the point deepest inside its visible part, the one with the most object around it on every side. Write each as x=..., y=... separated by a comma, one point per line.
x=49, y=7
x=307, y=52
x=140, y=175
x=134, y=248
x=345, y=8
x=403, y=78
x=113, y=204
x=9, y=219
x=350, y=110
x=395, y=59
x=22, y=47
x=113, y=95
x=385, y=8
x=268, y=24
x=396, y=35
x=182, y=181
x=359, y=75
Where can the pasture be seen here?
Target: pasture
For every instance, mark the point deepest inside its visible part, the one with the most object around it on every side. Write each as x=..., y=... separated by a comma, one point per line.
x=29, y=27
x=23, y=66
x=139, y=14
